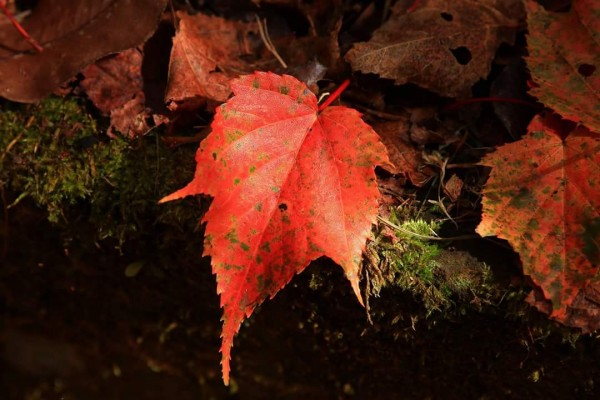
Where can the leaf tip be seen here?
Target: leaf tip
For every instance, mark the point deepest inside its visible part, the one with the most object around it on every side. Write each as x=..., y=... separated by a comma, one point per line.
x=189, y=190
x=355, y=287
x=226, y=373
x=171, y=197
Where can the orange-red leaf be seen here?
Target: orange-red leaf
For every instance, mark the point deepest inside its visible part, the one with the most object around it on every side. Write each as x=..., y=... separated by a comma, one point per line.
x=290, y=184
x=543, y=196
x=564, y=60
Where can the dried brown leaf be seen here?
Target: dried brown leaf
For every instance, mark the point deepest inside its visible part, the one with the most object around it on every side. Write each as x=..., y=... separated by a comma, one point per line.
x=442, y=46
x=115, y=85
x=405, y=157
x=207, y=52
x=73, y=33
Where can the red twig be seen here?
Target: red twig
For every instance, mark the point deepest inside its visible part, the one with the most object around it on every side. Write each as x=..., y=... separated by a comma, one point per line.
x=461, y=103
x=334, y=95
x=19, y=28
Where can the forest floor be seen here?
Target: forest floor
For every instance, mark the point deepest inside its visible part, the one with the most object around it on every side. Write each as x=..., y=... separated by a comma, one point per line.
x=104, y=293
x=74, y=326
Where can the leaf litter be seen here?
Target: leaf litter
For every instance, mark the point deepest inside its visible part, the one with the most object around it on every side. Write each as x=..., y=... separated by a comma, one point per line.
x=270, y=165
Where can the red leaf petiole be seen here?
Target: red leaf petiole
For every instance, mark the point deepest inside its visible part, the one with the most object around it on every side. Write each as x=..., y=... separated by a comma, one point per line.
x=413, y=6
x=461, y=103
x=19, y=28
x=334, y=95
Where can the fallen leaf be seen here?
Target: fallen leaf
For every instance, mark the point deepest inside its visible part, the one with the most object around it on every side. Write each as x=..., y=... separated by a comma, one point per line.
x=564, y=60
x=73, y=34
x=115, y=85
x=426, y=127
x=583, y=313
x=453, y=187
x=207, y=52
x=404, y=156
x=290, y=184
x=442, y=46
x=543, y=196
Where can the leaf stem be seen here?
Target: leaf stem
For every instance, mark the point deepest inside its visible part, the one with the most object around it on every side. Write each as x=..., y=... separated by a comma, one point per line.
x=20, y=28
x=461, y=103
x=334, y=95
x=413, y=6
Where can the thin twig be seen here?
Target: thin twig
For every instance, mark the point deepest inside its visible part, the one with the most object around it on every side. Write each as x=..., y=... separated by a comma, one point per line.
x=174, y=16
x=439, y=191
x=264, y=34
x=426, y=237
x=462, y=165
x=381, y=114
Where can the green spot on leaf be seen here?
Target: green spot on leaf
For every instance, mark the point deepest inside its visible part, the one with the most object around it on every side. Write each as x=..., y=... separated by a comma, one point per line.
x=591, y=240
x=232, y=236
x=266, y=247
x=538, y=135
x=524, y=199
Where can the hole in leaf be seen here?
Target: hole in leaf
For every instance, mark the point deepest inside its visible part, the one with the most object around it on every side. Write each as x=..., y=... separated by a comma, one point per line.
x=282, y=207
x=214, y=156
x=462, y=54
x=586, y=70
x=447, y=16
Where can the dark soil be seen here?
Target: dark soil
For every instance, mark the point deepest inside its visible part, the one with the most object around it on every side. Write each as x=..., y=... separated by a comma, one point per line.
x=75, y=327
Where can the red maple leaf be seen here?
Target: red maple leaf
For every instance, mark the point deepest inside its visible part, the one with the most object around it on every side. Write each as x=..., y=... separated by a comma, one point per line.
x=290, y=184
x=543, y=196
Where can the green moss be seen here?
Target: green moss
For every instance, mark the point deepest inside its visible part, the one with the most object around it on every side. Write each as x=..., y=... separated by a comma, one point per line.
x=405, y=257
x=55, y=154
x=47, y=156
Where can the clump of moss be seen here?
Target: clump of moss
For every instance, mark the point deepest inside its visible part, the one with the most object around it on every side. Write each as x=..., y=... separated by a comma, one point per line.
x=50, y=152
x=54, y=154
x=405, y=254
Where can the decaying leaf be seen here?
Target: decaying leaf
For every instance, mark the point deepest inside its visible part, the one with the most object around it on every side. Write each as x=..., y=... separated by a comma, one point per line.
x=207, y=52
x=453, y=187
x=564, y=60
x=115, y=86
x=405, y=157
x=584, y=311
x=543, y=196
x=73, y=34
x=443, y=46
x=290, y=184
